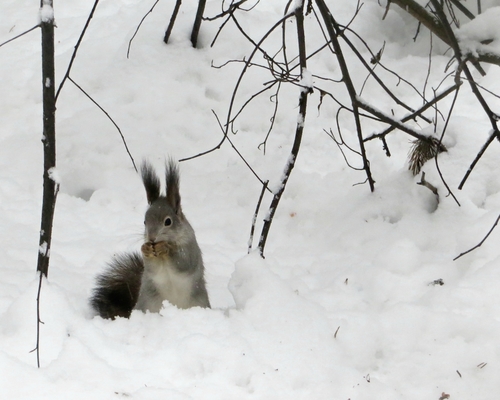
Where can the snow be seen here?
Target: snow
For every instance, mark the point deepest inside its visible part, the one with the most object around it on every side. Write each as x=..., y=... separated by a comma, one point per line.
x=345, y=305
x=54, y=175
x=47, y=11
x=482, y=28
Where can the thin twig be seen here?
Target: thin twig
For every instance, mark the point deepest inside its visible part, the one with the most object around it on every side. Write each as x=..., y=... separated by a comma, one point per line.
x=272, y=119
x=392, y=121
x=234, y=148
x=109, y=117
x=464, y=9
x=232, y=8
x=248, y=63
x=428, y=185
x=254, y=219
x=472, y=83
x=478, y=157
x=77, y=46
x=20, y=35
x=448, y=119
x=139, y=27
x=422, y=109
x=38, y=320
x=435, y=26
x=376, y=77
x=481, y=242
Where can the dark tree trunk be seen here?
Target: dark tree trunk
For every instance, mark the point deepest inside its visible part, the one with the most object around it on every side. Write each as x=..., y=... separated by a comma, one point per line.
x=172, y=21
x=197, y=22
x=49, y=135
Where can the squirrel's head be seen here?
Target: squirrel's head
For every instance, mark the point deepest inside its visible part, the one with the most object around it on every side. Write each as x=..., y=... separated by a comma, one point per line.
x=164, y=220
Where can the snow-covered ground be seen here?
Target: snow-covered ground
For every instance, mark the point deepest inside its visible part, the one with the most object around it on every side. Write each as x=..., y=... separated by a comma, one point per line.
x=344, y=306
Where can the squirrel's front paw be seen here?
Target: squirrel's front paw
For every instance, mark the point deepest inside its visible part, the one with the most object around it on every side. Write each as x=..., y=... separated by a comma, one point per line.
x=162, y=249
x=159, y=249
x=148, y=250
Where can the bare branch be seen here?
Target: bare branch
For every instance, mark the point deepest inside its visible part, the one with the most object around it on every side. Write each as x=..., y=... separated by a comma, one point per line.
x=392, y=121
x=248, y=63
x=478, y=157
x=77, y=46
x=299, y=18
x=422, y=109
x=428, y=185
x=256, y=213
x=493, y=117
x=20, y=35
x=333, y=30
x=434, y=25
x=109, y=117
x=139, y=27
x=481, y=242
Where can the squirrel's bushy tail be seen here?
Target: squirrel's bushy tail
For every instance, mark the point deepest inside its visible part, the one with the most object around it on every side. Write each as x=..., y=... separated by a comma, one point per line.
x=117, y=289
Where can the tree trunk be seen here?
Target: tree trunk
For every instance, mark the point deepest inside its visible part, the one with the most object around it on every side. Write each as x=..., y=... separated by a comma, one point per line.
x=49, y=134
x=197, y=22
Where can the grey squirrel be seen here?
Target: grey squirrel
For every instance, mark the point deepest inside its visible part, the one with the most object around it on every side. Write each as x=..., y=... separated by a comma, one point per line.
x=170, y=266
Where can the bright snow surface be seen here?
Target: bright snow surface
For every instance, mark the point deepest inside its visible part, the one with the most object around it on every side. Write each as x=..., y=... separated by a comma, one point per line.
x=345, y=305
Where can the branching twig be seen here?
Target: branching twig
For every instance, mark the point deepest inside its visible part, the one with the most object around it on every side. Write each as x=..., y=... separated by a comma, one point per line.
x=389, y=120
x=463, y=66
x=333, y=30
x=455, y=97
x=231, y=9
x=77, y=46
x=341, y=143
x=272, y=119
x=422, y=109
x=248, y=63
x=428, y=185
x=434, y=25
x=38, y=320
x=299, y=18
x=376, y=77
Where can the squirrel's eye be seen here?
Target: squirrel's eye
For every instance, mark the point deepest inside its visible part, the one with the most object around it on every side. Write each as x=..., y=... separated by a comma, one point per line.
x=168, y=221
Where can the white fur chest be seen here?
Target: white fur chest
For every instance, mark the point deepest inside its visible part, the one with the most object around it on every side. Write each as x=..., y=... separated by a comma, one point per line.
x=170, y=284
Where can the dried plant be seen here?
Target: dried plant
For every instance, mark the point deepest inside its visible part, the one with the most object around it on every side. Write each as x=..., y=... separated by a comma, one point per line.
x=422, y=151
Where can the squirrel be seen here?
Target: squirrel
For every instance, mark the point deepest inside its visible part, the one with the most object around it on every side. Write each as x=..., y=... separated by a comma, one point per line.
x=170, y=266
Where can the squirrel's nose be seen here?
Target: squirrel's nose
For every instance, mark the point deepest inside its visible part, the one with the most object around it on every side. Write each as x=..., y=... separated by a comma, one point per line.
x=150, y=237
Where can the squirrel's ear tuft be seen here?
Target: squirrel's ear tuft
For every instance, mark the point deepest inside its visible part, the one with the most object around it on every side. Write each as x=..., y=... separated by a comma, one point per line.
x=173, y=194
x=151, y=182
